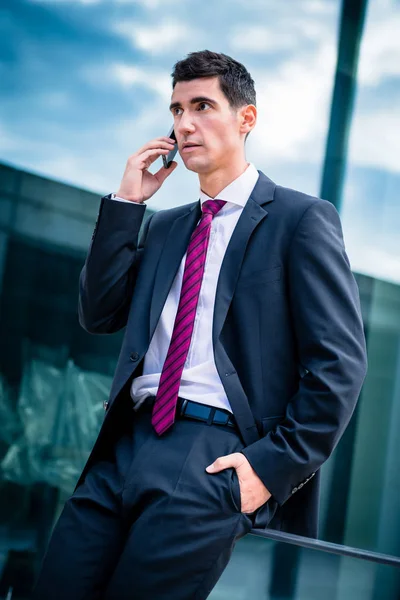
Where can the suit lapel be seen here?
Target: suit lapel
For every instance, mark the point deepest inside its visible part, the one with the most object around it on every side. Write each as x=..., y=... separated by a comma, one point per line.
x=174, y=249
x=253, y=213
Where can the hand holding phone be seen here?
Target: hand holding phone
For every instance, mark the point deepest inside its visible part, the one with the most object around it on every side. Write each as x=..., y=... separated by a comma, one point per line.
x=167, y=160
x=138, y=184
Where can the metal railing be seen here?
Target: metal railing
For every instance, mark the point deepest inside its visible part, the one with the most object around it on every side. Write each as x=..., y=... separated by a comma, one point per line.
x=313, y=544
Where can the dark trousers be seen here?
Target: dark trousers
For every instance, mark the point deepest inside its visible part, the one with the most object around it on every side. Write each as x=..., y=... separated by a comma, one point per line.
x=149, y=522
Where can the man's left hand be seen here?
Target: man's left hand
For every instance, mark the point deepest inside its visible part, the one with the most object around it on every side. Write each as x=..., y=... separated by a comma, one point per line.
x=253, y=492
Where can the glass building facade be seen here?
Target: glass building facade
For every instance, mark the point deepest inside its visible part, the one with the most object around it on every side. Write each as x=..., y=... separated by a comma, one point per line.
x=328, y=103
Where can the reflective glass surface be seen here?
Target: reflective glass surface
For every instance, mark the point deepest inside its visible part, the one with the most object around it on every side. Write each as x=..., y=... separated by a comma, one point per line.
x=262, y=569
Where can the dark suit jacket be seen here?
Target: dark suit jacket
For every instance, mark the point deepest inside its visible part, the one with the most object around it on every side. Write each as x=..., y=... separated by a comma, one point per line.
x=288, y=336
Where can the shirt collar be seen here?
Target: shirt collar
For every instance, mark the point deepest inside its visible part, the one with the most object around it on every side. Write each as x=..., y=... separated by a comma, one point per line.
x=239, y=190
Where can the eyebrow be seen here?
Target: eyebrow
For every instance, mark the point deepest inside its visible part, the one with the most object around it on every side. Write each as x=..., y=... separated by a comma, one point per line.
x=195, y=100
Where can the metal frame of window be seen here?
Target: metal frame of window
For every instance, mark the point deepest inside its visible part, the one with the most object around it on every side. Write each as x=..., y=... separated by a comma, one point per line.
x=350, y=34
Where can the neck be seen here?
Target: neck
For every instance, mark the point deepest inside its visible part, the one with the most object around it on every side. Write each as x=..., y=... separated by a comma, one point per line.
x=214, y=182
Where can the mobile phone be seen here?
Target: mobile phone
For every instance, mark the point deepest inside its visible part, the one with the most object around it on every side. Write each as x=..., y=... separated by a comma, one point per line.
x=167, y=159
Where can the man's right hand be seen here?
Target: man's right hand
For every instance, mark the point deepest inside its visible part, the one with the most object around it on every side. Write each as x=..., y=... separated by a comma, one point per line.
x=137, y=183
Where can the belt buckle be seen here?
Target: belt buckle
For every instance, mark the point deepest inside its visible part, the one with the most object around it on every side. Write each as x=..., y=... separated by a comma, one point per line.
x=183, y=407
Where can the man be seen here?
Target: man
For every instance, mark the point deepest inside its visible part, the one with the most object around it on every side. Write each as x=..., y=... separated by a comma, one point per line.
x=243, y=358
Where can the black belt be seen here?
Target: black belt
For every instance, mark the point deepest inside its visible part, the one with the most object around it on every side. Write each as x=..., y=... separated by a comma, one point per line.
x=189, y=409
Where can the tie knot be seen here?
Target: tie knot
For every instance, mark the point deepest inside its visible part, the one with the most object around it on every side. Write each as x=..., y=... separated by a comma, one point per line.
x=211, y=207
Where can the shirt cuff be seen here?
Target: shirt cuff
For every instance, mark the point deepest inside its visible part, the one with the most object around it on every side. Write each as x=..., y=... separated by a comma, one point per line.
x=114, y=197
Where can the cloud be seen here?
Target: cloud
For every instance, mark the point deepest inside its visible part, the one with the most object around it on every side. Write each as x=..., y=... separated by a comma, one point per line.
x=8, y=142
x=282, y=34
x=155, y=39
x=55, y=2
x=314, y=7
x=374, y=139
x=153, y=79
x=317, y=7
x=54, y=100
x=295, y=82
x=294, y=100
x=380, y=48
x=372, y=259
x=293, y=107
x=78, y=166
x=67, y=166
x=149, y=4
x=260, y=39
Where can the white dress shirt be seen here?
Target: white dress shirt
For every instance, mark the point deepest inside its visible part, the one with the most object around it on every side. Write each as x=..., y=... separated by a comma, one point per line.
x=200, y=380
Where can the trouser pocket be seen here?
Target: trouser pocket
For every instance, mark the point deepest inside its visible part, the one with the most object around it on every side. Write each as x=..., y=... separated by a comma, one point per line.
x=234, y=489
x=261, y=517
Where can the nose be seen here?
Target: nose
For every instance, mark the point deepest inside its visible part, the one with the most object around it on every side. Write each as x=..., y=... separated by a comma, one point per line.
x=185, y=125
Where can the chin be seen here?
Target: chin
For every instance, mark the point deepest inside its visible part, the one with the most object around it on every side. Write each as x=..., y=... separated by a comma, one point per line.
x=197, y=166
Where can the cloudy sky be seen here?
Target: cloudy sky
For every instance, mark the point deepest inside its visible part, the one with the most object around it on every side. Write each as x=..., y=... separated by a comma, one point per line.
x=86, y=82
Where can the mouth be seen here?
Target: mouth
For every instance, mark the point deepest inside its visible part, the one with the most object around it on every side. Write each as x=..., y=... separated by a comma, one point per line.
x=190, y=147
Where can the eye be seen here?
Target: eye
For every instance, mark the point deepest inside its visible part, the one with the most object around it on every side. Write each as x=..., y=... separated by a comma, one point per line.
x=204, y=104
x=175, y=109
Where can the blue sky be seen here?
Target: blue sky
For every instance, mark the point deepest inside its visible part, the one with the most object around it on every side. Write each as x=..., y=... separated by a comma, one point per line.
x=87, y=82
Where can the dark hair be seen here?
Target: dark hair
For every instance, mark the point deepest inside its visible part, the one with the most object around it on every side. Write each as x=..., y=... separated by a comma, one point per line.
x=234, y=79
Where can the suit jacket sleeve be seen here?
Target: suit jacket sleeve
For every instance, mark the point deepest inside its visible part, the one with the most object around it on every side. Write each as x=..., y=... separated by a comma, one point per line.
x=329, y=336
x=108, y=276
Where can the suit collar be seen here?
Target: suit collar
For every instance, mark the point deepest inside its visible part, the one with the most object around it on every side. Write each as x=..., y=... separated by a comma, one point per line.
x=262, y=193
x=238, y=191
x=264, y=190
x=177, y=241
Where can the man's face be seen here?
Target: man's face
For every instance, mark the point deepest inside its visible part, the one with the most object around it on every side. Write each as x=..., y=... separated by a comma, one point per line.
x=202, y=116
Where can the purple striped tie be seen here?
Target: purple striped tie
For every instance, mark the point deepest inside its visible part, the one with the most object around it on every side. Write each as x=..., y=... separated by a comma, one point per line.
x=163, y=414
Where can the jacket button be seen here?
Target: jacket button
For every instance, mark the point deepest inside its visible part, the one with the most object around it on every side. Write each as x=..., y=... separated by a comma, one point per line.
x=105, y=404
x=134, y=356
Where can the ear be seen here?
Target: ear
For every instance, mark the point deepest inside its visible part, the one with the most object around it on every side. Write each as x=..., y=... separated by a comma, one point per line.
x=247, y=118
